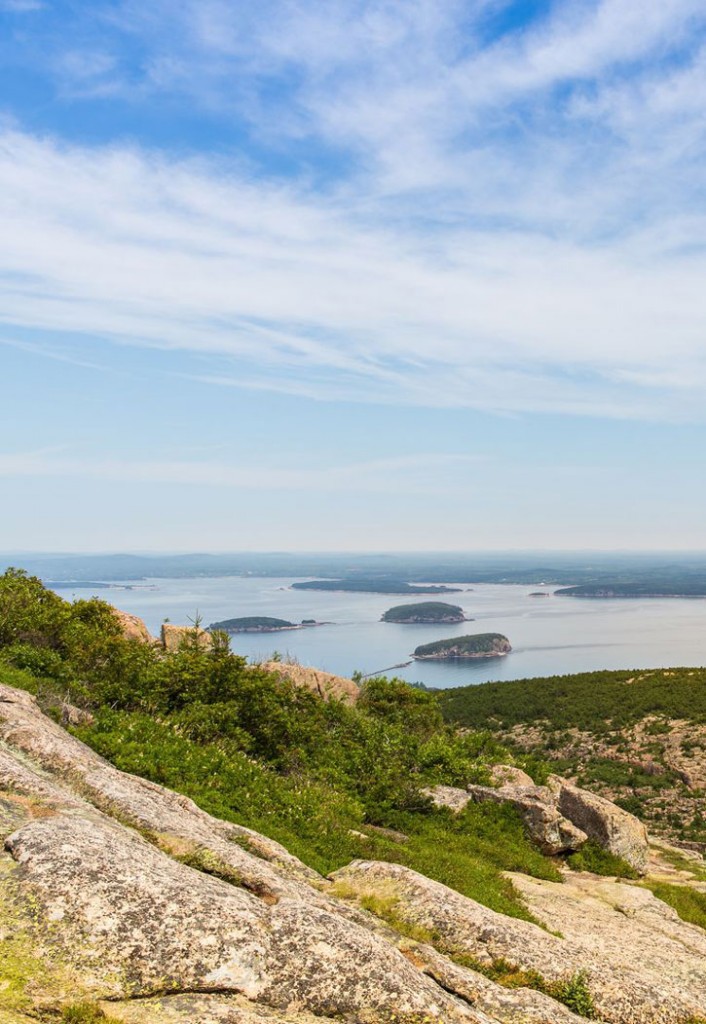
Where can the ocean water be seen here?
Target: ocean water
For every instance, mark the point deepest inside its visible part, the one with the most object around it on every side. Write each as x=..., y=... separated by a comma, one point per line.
x=550, y=636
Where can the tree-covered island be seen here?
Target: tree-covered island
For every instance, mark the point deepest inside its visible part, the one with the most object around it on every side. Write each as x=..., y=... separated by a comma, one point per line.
x=358, y=585
x=425, y=612
x=477, y=645
x=259, y=624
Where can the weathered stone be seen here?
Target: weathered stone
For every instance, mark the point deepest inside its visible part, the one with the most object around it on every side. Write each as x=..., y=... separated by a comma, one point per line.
x=620, y=935
x=175, y=821
x=328, y=686
x=175, y=637
x=549, y=829
x=610, y=826
x=507, y=775
x=448, y=796
x=117, y=914
x=133, y=627
x=512, y=1006
x=71, y=715
x=133, y=921
x=203, y=1008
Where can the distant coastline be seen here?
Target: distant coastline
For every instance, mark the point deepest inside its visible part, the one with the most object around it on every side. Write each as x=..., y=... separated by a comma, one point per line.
x=367, y=586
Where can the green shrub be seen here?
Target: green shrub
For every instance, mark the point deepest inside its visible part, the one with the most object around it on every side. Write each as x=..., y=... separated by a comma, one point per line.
x=592, y=857
x=85, y=1013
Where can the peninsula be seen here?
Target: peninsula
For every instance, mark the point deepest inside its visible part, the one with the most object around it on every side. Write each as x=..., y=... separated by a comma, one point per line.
x=477, y=645
x=374, y=586
x=425, y=612
x=647, y=588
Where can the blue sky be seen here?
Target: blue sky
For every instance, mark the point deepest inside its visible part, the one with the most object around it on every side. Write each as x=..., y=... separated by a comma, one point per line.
x=378, y=275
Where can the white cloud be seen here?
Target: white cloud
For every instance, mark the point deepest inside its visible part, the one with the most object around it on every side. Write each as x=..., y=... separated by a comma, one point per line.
x=305, y=293
x=405, y=475
x=514, y=226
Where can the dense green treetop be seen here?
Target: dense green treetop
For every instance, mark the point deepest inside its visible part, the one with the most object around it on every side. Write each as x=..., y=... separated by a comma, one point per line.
x=262, y=623
x=474, y=645
x=425, y=611
x=593, y=701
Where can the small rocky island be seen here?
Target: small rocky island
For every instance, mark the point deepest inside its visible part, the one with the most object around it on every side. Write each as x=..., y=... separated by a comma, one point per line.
x=260, y=624
x=477, y=645
x=425, y=612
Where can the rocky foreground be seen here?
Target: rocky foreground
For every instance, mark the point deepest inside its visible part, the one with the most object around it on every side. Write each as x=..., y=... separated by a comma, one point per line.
x=120, y=893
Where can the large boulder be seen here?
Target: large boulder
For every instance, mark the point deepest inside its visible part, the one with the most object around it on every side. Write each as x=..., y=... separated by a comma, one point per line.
x=448, y=796
x=133, y=628
x=508, y=775
x=640, y=962
x=173, y=638
x=614, y=829
x=547, y=827
x=328, y=686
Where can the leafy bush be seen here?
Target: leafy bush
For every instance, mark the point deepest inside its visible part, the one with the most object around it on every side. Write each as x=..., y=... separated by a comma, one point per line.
x=591, y=857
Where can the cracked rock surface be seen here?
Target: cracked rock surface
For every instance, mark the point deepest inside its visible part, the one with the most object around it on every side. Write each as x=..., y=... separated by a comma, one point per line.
x=98, y=902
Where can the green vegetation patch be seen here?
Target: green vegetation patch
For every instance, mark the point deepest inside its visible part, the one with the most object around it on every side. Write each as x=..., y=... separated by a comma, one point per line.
x=689, y=903
x=592, y=701
x=252, y=624
x=591, y=857
x=572, y=991
x=85, y=1013
x=324, y=778
x=425, y=611
x=472, y=646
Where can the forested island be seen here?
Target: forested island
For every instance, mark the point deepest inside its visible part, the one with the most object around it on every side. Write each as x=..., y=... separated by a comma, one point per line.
x=477, y=645
x=647, y=588
x=260, y=624
x=425, y=612
x=374, y=586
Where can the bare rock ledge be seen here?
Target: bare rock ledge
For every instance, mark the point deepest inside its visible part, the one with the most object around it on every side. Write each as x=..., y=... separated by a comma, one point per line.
x=97, y=903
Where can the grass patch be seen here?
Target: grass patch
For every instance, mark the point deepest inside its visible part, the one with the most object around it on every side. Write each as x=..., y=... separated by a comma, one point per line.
x=591, y=857
x=690, y=904
x=572, y=991
x=677, y=860
x=85, y=1013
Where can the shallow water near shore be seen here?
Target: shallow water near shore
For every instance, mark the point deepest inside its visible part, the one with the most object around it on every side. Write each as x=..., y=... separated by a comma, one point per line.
x=550, y=636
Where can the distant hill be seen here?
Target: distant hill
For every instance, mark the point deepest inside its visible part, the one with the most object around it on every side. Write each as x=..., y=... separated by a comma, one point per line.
x=477, y=645
x=373, y=586
x=635, y=736
x=425, y=611
x=647, y=588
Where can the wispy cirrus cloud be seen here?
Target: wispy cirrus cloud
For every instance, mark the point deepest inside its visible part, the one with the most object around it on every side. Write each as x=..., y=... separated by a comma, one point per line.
x=506, y=219
x=406, y=475
x=307, y=291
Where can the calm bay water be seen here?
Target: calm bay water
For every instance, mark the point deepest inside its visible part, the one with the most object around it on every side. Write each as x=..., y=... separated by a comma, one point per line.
x=550, y=636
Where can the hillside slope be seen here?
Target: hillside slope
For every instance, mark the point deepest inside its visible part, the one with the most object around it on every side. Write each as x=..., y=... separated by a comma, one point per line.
x=189, y=838
x=110, y=884
x=637, y=737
